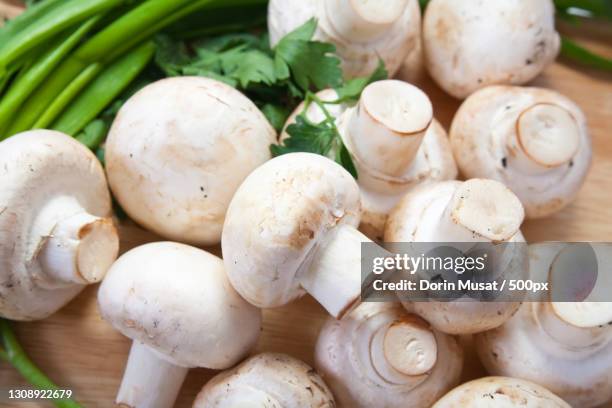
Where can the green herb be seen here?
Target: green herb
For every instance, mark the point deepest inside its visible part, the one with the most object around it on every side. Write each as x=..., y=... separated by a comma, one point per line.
x=320, y=138
x=103, y=90
x=310, y=63
x=57, y=17
x=276, y=115
x=12, y=352
x=237, y=59
x=36, y=74
x=576, y=52
x=351, y=90
x=596, y=8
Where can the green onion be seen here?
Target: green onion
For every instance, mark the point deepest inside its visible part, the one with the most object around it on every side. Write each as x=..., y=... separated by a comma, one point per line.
x=94, y=134
x=104, y=89
x=12, y=352
x=576, y=52
x=55, y=21
x=84, y=63
x=40, y=70
x=67, y=95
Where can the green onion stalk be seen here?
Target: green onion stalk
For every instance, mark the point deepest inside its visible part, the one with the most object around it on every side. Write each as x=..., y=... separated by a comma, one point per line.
x=61, y=79
x=12, y=352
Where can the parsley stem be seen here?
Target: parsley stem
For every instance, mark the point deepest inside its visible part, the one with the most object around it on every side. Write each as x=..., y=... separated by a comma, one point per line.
x=12, y=352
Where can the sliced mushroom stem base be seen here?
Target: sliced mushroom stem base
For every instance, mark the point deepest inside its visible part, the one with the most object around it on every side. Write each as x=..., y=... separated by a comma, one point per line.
x=481, y=211
x=149, y=381
x=547, y=135
x=566, y=333
x=363, y=20
x=80, y=249
x=334, y=275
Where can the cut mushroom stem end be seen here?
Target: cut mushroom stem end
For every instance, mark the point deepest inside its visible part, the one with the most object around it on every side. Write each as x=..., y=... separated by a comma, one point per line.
x=149, y=380
x=334, y=275
x=485, y=209
x=548, y=134
x=410, y=347
x=80, y=249
x=386, y=129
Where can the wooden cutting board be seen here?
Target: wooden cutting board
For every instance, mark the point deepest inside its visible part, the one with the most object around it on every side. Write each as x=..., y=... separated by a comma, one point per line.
x=82, y=352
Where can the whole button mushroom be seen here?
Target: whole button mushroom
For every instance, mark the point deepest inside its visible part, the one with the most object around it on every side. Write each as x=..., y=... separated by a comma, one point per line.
x=363, y=32
x=56, y=233
x=564, y=346
x=462, y=214
x=395, y=144
x=178, y=150
x=471, y=44
x=534, y=140
x=498, y=392
x=381, y=356
x=267, y=380
x=178, y=306
x=291, y=229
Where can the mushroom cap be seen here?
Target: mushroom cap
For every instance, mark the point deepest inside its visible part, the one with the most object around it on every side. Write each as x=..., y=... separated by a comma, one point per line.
x=486, y=122
x=537, y=345
x=277, y=218
x=359, y=56
x=177, y=300
x=41, y=169
x=178, y=150
x=462, y=41
x=267, y=380
x=343, y=357
x=415, y=219
x=500, y=392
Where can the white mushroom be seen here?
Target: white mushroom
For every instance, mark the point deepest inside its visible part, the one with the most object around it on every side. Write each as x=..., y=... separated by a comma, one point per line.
x=291, y=229
x=381, y=356
x=462, y=214
x=178, y=306
x=564, y=346
x=534, y=140
x=267, y=380
x=395, y=144
x=178, y=150
x=500, y=392
x=470, y=44
x=363, y=31
x=56, y=234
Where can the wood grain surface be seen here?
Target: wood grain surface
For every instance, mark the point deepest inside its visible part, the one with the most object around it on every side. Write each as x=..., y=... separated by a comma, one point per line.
x=82, y=352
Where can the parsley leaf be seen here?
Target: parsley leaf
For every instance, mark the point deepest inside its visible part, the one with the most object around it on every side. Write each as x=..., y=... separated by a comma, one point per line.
x=238, y=60
x=276, y=115
x=352, y=89
x=306, y=136
x=310, y=63
x=320, y=138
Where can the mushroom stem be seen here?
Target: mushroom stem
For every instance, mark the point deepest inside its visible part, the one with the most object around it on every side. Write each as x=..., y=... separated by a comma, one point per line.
x=362, y=20
x=149, y=380
x=405, y=348
x=565, y=333
x=333, y=277
x=384, y=132
x=480, y=210
x=547, y=135
x=80, y=249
